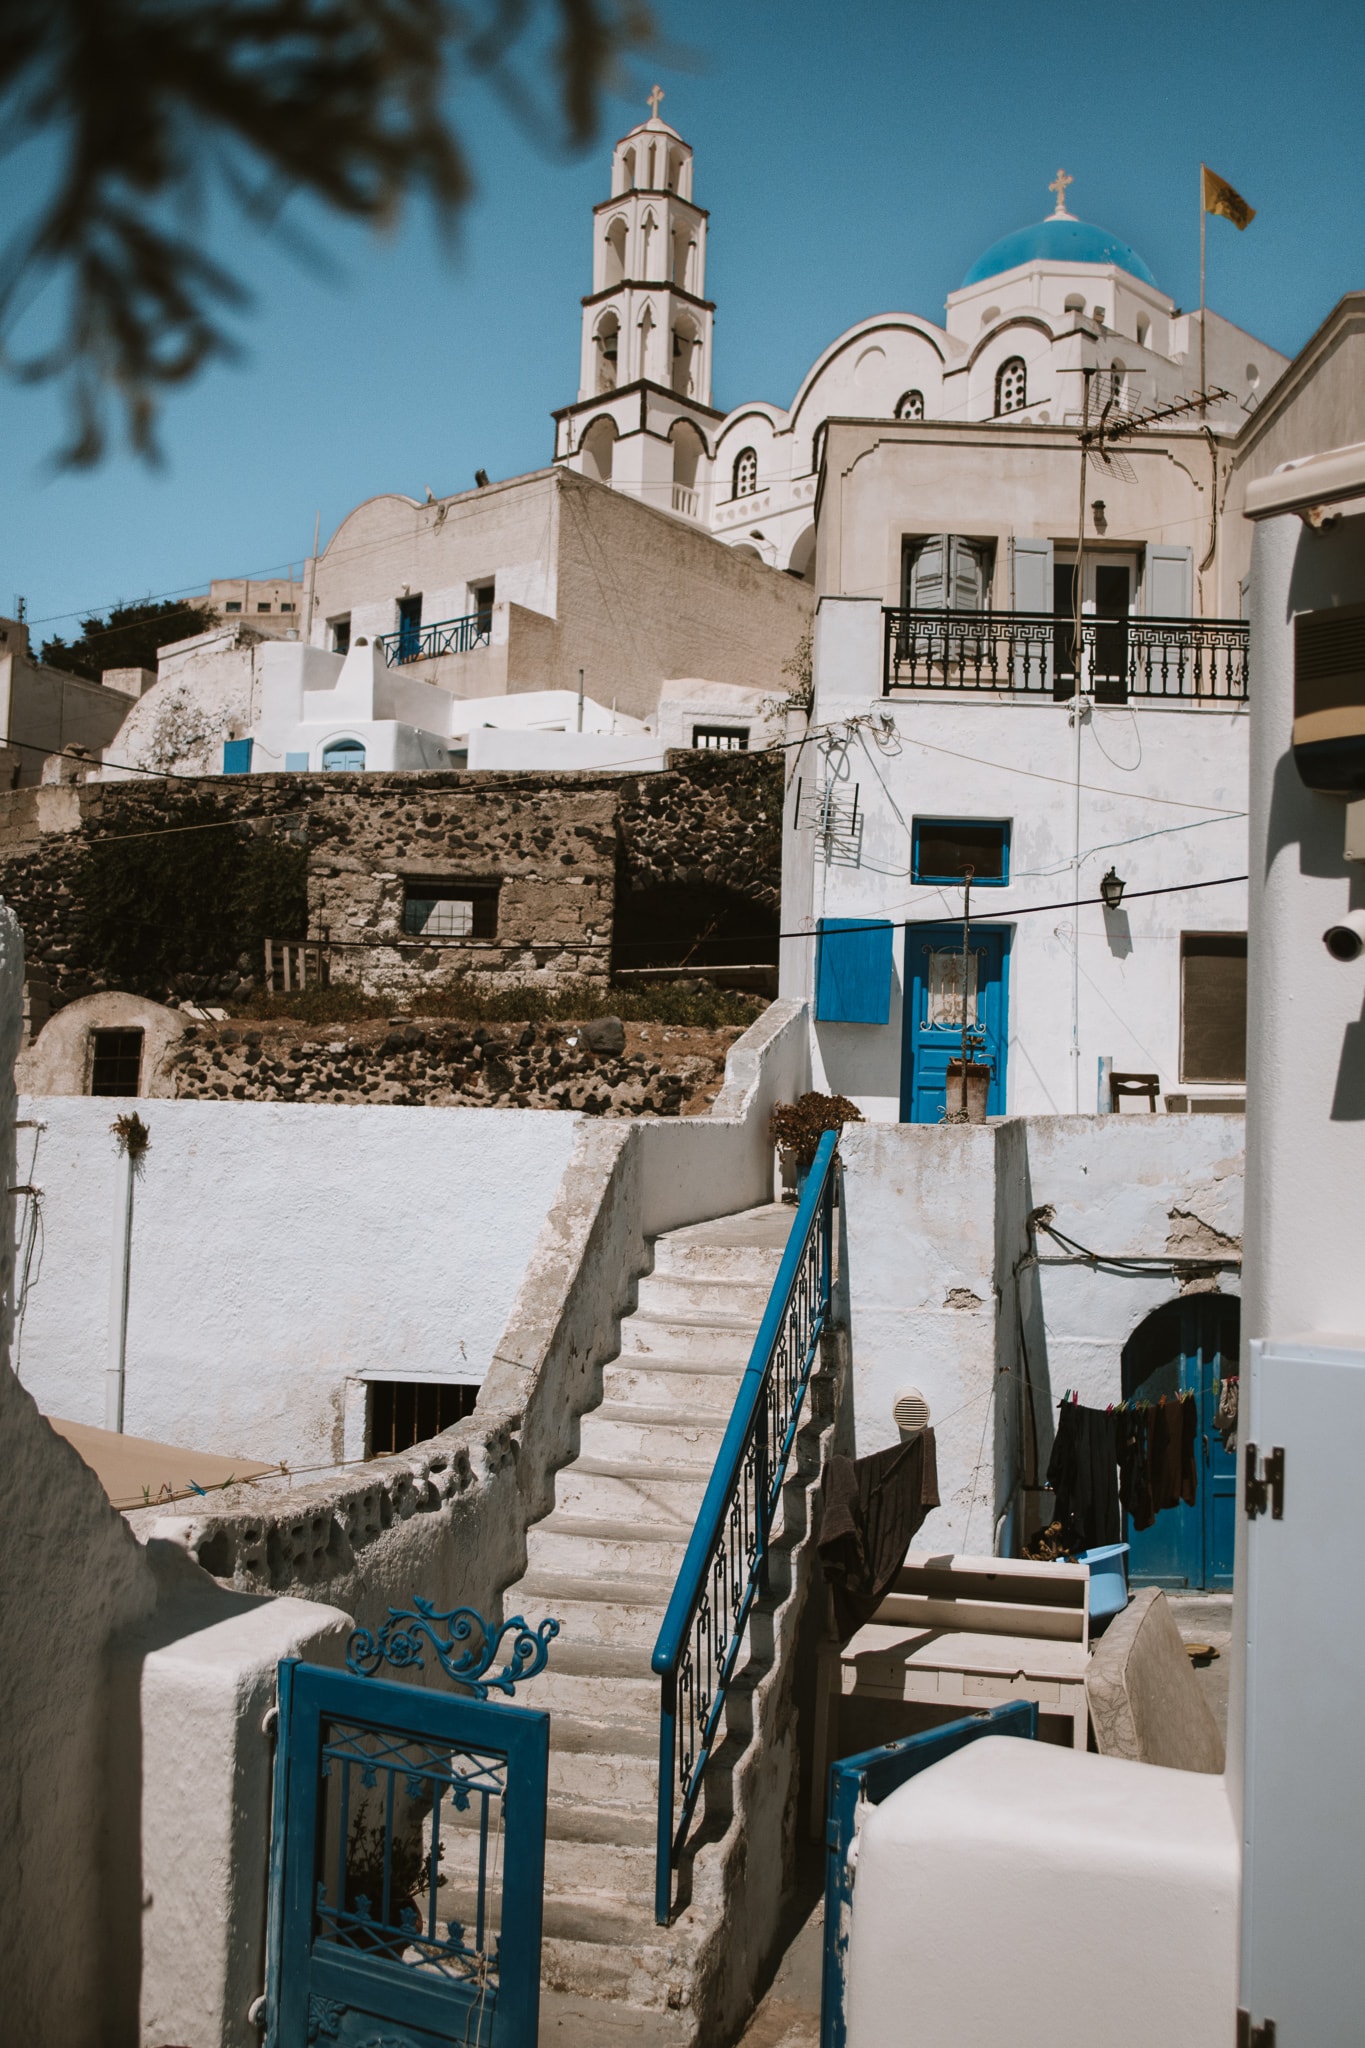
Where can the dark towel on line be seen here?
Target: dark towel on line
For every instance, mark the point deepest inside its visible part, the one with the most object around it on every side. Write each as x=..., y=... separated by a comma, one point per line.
x=1135, y=1476
x=870, y=1508
x=1189, y=1429
x=1164, y=1425
x=1083, y=1475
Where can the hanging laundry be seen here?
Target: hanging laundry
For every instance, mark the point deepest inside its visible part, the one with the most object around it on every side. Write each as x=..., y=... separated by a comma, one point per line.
x=1225, y=1420
x=870, y=1509
x=1135, y=1475
x=1083, y=1475
x=1172, y=1427
x=1189, y=1432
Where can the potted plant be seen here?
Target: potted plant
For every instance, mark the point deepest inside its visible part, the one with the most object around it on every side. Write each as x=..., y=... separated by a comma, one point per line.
x=796, y=1129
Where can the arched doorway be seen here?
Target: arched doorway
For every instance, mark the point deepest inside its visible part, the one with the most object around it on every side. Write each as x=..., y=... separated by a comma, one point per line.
x=1188, y=1346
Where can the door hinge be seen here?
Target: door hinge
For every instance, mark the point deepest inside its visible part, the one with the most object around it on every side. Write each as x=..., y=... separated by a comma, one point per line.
x=1266, y=1489
x=1249, y=2036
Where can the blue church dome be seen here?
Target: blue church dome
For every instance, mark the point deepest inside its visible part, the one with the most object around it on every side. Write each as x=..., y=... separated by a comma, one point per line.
x=1058, y=239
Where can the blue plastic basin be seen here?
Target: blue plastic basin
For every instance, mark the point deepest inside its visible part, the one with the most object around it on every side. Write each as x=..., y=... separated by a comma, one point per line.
x=1108, y=1578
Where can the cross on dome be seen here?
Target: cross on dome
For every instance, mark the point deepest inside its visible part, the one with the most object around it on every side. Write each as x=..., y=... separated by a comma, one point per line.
x=1059, y=185
x=654, y=98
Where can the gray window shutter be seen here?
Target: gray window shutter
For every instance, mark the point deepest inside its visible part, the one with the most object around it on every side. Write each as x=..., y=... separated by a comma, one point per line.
x=1031, y=591
x=968, y=582
x=1031, y=575
x=928, y=582
x=1169, y=582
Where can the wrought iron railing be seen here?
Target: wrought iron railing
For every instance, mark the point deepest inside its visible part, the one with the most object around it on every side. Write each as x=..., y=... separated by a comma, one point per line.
x=1192, y=661
x=865, y=1780
x=726, y=1566
x=448, y=636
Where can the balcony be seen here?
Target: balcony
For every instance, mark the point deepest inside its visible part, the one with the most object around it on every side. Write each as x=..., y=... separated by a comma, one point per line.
x=686, y=501
x=448, y=636
x=1033, y=654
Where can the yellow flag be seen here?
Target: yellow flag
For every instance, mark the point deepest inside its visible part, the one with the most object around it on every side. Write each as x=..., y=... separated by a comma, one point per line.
x=1219, y=197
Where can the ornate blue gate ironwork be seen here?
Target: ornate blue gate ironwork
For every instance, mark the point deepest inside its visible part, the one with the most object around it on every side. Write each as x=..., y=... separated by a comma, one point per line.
x=407, y=1862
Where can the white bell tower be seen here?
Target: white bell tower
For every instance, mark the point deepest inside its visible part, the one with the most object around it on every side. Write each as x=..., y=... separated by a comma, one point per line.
x=643, y=420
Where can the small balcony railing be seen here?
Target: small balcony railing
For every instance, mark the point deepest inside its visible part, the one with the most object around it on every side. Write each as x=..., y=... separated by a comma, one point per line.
x=1033, y=654
x=686, y=501
x=448, y=636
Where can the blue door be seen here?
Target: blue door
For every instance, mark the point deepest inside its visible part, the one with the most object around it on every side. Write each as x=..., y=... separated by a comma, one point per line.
x=1187, y=1347
x=932, y=1032
x=407, y=1867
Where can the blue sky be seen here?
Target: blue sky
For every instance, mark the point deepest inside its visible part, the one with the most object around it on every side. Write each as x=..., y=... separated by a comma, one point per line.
x=856, y=158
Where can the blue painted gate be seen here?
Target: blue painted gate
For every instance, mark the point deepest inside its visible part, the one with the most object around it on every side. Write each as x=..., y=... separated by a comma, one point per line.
x=932, y=1031
x=407, y=1867
x=1187, y=1347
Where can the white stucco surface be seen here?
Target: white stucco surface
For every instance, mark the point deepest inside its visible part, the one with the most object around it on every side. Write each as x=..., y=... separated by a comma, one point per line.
x=1024, y=1893
x=278, y=1250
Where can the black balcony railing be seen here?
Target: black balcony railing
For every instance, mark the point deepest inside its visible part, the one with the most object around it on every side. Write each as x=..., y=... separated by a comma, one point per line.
x=1190, y=661
x=449, y=636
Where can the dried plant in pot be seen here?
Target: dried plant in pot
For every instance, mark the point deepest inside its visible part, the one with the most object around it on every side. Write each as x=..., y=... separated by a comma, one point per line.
x=796, y=1129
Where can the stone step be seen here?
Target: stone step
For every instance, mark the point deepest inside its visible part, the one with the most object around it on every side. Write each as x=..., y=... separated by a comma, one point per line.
x=588, y=1545
x=618, y=1433
x=568, y=2019
x=598, y=1697
x=687, y=1384
x=624, y=1977
x=693, y=1294
x=710, y=1339
x=612, y=1869
x=662, y=1497
x=620, y=1613
x=607, y=1776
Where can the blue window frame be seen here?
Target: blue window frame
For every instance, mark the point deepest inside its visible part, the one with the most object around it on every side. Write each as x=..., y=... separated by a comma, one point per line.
x=942, y=849
x=296, y=764
x=344, y=754
x=853, y=970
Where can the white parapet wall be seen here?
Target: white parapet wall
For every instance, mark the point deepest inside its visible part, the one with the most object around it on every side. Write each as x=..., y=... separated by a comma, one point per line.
x=280, y=1253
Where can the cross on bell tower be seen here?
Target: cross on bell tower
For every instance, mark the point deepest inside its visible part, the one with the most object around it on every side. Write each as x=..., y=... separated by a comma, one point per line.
x=1059, y=185
x=646, y=330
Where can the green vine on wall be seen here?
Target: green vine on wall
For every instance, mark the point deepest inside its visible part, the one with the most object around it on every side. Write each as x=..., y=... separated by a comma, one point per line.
x=186, y=896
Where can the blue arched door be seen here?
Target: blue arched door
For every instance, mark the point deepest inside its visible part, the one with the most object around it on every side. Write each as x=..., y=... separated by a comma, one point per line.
x=1188, y=1347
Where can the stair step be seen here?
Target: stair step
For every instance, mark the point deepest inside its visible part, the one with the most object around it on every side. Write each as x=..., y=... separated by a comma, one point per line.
x=615, y=1617
x=568, y=2019
x=615, y=1433
x=686, y=1383
x=611, y=1869
x=709, y=1339
x=663, y=1498
x=598, y=1698
x=608, y=1777
x=692, y=1294
x=585, y=1545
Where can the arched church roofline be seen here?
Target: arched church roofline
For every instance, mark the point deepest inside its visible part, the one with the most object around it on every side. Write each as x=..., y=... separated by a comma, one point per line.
x=1002, y=326
x=756, y=409
x=879, y=323
x=379, y=498
x=596, y=420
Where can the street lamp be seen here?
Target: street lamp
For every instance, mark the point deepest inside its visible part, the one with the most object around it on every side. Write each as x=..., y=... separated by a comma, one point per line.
x=1111, y=890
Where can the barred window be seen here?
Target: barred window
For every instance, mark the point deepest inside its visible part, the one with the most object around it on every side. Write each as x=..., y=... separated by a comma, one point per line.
x=746, y=473
x=1011, y=386
x=910, y=405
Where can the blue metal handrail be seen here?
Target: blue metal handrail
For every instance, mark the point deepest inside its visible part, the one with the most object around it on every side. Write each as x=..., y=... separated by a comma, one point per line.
x=865, y=1780
x=726, y=1565
x=446, y=636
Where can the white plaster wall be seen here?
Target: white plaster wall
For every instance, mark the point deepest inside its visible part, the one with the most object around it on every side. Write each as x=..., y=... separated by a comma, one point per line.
x=528, y=751
x=1163, y=800
x=208, y=689
x=279, y=1249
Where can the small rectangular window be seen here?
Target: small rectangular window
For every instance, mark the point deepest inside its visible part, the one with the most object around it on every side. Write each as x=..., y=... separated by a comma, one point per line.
x=942, y=849
x=263, y=607
x=233, y=604
x=407, y=1412
x=341, y=634
x=286, y=605
x=722, y=739
x=116, y=1062
x=1213, y=1006
x=450, y=910
x=481, y=596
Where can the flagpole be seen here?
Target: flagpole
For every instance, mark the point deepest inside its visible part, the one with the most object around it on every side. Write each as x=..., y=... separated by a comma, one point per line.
x=1203, y=229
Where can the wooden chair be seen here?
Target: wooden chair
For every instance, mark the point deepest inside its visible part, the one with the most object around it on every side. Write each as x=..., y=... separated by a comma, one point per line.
x=962, y=1633
x=1133, y=1084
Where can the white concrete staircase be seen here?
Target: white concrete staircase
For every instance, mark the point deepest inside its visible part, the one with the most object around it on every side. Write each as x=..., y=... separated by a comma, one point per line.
x=604, y=1563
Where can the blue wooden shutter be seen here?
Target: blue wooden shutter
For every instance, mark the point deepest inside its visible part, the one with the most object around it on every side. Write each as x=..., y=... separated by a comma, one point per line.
x=1031, y=591
x=236, y=757
x=853, y=970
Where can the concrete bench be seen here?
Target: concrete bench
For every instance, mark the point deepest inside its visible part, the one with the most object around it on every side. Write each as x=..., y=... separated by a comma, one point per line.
x=963, y=1633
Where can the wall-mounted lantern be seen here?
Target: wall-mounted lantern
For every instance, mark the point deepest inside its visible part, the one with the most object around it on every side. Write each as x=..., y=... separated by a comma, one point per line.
x=1111, y=890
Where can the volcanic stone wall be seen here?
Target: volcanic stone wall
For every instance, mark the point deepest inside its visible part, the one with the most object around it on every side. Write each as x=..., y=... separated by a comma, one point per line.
x=564, y=853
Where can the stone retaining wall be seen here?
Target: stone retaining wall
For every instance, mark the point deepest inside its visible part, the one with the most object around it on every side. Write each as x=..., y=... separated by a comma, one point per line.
x=603, y=1068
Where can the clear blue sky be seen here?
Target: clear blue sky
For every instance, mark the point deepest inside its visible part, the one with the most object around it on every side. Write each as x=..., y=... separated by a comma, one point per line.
x=856, y=158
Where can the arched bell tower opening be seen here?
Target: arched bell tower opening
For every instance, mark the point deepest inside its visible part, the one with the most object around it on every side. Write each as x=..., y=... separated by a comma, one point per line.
x=647, y=331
